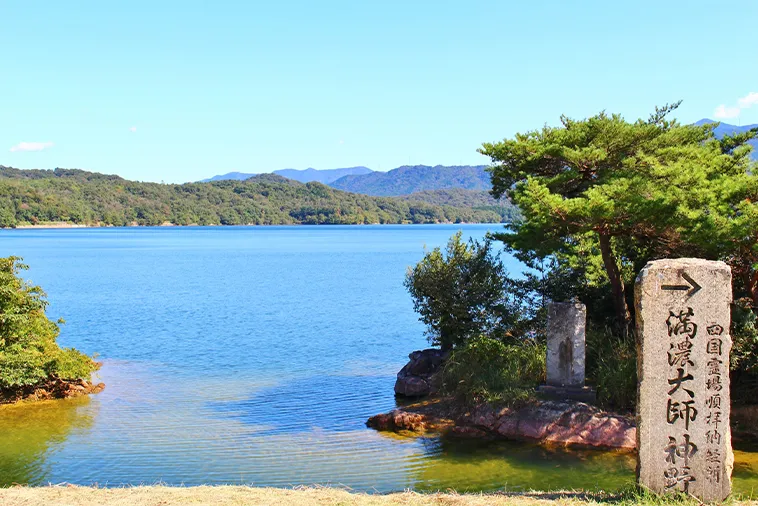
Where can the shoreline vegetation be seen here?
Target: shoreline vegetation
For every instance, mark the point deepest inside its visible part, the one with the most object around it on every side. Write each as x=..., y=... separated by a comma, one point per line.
x=32, y=365
x=71, y=196
x=64, y=224
x=71, y=495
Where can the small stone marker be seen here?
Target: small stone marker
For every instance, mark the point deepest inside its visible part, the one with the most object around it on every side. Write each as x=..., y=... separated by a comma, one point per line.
x=566, y=323
x=683, y=404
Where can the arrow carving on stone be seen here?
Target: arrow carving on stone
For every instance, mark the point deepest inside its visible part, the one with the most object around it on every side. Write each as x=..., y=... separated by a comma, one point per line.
x=691, y=289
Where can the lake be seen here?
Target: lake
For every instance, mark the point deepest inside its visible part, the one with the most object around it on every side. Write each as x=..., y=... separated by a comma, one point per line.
x=254, y=355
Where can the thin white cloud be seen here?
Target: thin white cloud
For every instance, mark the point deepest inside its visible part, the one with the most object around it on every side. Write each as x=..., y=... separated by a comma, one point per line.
x=132, y=129
x=724, y=112
x=746, y=102
x=31, y=146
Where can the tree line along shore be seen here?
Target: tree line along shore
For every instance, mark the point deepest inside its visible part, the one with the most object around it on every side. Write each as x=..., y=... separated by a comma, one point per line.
x=72, y=196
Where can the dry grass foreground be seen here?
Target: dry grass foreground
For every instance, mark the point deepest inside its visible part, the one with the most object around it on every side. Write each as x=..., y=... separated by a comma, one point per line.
x=239, y=495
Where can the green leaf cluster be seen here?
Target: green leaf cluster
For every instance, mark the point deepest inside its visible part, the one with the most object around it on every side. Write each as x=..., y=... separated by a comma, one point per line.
x=29, y=353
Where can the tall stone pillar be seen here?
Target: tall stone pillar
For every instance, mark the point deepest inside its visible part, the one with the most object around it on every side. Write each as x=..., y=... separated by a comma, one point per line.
x=683, y=404
x=566, y=323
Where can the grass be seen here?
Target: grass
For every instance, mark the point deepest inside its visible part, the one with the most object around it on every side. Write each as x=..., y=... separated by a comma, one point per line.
x=487, y=370
x=70, y=495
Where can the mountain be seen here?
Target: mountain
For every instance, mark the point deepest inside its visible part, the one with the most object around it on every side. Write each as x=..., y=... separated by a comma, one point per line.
x=727, y=129
x=236, y=176
x=412, y=179
x=322, y=176
x=304, y=176
x=88, y=198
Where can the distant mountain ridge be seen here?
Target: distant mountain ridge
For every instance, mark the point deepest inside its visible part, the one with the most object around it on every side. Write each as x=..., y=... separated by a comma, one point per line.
x=326, y=176
x=417, y=178
x=304, y=176
x=727, y=129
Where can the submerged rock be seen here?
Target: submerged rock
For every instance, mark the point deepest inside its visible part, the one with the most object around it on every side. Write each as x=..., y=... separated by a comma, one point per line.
x=563, y=423
x=421, y=375
x=398, y=420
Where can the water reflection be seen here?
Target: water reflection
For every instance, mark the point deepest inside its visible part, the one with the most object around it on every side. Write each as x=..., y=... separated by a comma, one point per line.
x=473, y=466
x=32, y=433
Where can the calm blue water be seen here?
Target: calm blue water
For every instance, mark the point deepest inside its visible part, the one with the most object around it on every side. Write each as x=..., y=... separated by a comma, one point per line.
x=249, y=355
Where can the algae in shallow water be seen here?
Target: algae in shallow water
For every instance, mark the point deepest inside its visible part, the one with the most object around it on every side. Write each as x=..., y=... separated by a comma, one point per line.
x=30, y=433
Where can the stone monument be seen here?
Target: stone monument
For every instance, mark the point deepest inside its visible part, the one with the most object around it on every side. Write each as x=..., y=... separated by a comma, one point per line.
x=683, y=405
x=566, y=323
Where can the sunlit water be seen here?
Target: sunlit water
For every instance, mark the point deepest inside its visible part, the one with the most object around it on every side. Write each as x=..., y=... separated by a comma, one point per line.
x=255, y=356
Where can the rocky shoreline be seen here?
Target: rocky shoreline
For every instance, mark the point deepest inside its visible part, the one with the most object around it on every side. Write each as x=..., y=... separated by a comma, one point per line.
x=548, y=422
x=562, y=423
x=53, y=388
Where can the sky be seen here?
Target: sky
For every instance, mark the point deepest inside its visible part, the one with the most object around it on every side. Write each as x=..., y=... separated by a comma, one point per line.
x=180, y=91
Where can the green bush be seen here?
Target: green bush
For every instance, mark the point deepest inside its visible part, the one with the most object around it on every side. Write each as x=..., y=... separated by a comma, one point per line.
x=28, y=351
x=488, y=370
x=612, y=367
x=460, y=293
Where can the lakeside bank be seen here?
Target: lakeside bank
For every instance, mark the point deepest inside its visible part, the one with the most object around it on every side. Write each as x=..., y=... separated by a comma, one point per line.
x=70, y=495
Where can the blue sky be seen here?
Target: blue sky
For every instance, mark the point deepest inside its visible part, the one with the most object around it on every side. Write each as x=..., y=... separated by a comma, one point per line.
x=178, y=91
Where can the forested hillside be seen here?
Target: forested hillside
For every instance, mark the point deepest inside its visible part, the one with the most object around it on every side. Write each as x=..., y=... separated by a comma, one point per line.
x=474, y=199
x=80, y=197
x=411, y=179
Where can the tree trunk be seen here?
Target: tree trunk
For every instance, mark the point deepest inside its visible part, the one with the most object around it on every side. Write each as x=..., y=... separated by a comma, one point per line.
x=753, y=286
x=617, y=284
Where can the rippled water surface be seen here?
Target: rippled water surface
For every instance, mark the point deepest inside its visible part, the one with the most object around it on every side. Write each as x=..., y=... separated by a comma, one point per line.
x=254, y=355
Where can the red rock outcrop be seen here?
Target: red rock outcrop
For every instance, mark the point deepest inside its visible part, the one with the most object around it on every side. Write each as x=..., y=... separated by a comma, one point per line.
x=549, y=422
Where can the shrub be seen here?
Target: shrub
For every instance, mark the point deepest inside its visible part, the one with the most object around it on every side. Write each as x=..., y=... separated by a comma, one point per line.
x=28, y=351
x=460, y=293
x=612, y=366
x=489, y=370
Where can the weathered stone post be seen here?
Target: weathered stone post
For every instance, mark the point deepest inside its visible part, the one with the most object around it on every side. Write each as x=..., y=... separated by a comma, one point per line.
x=566, y=322
x=683, y=405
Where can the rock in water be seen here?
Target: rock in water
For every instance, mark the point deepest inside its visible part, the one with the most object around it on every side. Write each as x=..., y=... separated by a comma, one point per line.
x=557, y=423
x=420, y=376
